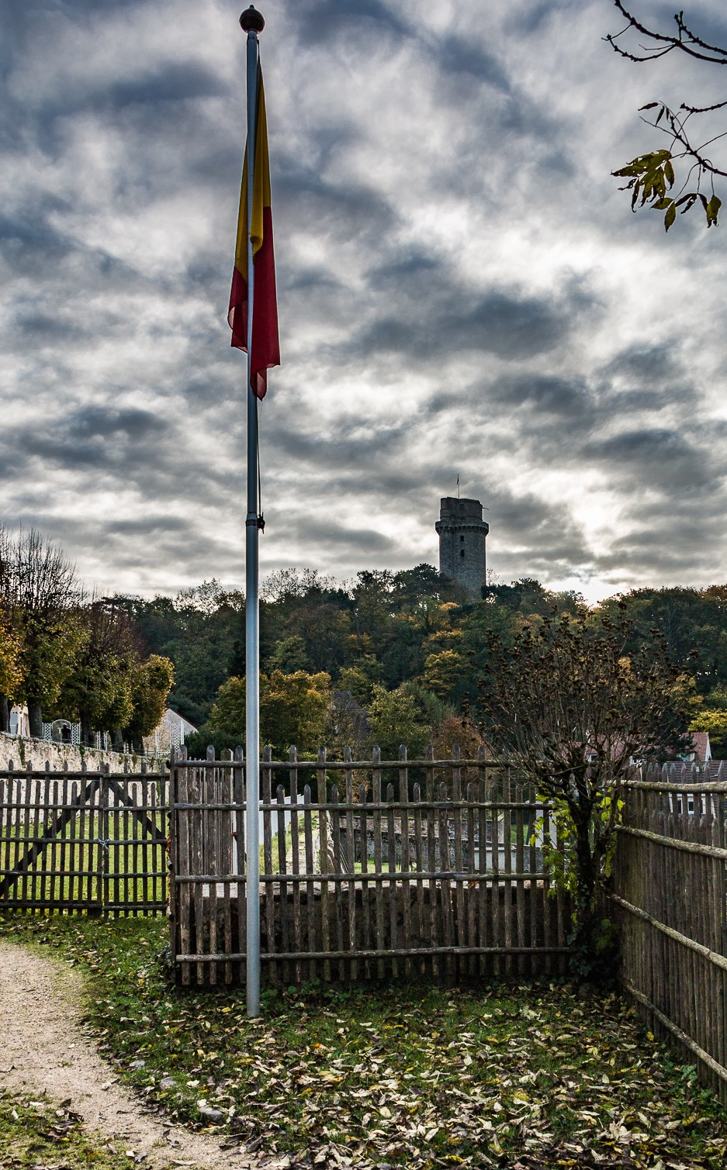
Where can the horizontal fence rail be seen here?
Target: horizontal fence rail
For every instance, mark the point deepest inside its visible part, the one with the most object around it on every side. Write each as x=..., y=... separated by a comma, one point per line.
x=91, y=841
x=369, y=869
x=670, y=895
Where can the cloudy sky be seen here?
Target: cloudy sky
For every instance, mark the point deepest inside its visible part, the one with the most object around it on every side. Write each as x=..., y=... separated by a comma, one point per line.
x=462, y=290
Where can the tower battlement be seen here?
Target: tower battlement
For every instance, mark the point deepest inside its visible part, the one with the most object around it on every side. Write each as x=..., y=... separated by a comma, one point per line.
x=462, y=543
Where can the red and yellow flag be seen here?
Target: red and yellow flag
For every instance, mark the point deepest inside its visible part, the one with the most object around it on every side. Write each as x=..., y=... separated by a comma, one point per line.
x=265, y=344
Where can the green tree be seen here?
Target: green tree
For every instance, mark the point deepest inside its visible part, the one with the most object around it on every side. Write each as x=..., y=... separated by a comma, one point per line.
x=360, y=677
x=396, y=718
x=151, y=682
x=713, y=720
x=228, y=709
x=11, y=668
x=289, y=654
x=693, y=623
x=443, y=672
x=570, y=710
x=98, y=692
x=201, y=631
x=294, y=709
x=40, y=596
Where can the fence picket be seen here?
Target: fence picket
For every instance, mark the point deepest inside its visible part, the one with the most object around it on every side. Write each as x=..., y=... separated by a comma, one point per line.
x=282, y=870
x=483, y=933
x=378, y=856
x=405, y=857
x=267, y=866
x=460, y=923
x=365, y=885
x=507, y=864
x=322, y=856
x=313, y=944
x=350, y=866
x=434, y=892
x=670, y=893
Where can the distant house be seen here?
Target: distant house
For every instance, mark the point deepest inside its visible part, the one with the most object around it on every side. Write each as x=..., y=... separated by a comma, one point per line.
x=701, y=752
x=170, y=732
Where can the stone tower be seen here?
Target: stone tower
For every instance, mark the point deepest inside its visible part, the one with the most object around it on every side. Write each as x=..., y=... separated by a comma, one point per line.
x=462, y=536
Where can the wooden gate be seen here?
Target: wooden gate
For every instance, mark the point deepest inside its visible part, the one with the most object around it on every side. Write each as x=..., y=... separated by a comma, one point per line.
x=86, y=841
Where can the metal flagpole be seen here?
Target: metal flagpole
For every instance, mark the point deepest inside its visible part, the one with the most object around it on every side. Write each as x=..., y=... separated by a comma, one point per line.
x=252, y=23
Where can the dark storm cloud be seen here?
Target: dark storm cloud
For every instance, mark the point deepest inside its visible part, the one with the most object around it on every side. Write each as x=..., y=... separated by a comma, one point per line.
x=544, y=394
x=330, y=533
x=90, y=438
x=465, y=68
x=39, y=327
x=645, y=554
x=31, y=237
x=511, y=325
x=147, y=526
x=181, y=81
x=123, y=449
x=346, y=208
x=323, y=20
x=572, y=418
x=351, y=444
x=659, y=456
x=646, y=364
x=409, y=272
x=121, y=163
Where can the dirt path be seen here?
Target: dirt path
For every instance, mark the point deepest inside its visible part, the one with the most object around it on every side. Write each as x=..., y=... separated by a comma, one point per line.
x=43, y=1049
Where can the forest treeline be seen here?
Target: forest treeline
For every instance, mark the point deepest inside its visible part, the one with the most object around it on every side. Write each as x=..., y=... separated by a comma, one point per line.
x=397, y=657
x=387, y=658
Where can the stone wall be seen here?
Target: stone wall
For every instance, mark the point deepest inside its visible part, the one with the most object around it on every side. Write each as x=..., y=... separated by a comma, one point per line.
x=36, y=753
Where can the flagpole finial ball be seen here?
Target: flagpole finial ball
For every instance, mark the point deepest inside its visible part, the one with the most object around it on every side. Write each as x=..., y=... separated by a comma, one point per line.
x=252, y=20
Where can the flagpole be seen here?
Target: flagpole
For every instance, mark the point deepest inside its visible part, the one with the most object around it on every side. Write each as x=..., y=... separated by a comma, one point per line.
x=252, y=23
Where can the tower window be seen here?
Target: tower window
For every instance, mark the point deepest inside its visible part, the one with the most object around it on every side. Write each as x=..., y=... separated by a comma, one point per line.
x=461, y=552
x=461, y=539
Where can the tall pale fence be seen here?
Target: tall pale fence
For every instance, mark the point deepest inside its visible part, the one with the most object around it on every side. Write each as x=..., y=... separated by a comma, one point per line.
x=90, y=841
x=369, y=869
x=670, y=889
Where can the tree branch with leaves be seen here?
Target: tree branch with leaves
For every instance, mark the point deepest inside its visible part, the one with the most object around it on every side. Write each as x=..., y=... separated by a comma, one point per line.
x=652, y=176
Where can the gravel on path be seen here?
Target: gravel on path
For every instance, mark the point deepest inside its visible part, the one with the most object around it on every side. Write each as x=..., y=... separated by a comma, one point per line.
x=44, y=1049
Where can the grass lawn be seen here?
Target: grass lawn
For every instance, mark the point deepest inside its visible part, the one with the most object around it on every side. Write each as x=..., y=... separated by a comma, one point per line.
x=521, y=1077
x=76, y=850
x=36, y=1135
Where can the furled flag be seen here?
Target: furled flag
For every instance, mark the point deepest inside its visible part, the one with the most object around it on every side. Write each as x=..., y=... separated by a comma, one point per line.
x=265, y=344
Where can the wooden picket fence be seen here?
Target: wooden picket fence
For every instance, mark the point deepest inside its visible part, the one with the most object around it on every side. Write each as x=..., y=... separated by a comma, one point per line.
x=88, y=841
x=670, y=879
x=377, y=868
x=369, y=869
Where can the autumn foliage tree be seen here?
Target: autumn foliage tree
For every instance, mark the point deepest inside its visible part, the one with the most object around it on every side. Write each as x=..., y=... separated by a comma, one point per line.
x=40, y=596
x=571, y=710
x=11, y=668
x=98, y=691
x=151, y=682
x=294, y=709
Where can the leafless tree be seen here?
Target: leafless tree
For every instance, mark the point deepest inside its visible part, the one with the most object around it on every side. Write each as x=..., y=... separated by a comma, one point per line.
x=571, y=710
